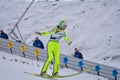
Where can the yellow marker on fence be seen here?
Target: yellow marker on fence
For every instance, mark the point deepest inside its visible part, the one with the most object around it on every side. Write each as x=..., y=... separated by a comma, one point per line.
x=10, y=44
x=36, y=52
x=23, y=48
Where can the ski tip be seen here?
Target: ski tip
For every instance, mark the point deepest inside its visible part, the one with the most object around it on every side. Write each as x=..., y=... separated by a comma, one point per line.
x=28, y=73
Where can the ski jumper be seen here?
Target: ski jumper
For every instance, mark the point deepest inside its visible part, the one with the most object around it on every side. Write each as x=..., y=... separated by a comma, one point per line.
x=53, y=47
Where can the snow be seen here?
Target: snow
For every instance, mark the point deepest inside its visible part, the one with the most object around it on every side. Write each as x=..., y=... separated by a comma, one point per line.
x=93, y=27
x=13, y=68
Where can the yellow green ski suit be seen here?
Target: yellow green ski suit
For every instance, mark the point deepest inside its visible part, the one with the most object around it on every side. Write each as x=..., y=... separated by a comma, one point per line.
x=53, y=48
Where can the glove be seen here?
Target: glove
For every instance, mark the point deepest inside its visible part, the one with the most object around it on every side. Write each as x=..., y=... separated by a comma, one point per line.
x=38, y=33
x=69, y=43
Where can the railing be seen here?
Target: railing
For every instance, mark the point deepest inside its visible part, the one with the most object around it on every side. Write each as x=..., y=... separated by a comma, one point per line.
x=34, y=53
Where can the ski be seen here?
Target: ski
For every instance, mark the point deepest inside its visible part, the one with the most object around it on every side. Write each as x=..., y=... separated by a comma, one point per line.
x=81, y=72
x=38, y=75
x=62, y=76
x=48, y=77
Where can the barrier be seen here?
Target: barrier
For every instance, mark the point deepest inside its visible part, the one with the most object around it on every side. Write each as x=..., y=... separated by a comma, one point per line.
x=74, y=63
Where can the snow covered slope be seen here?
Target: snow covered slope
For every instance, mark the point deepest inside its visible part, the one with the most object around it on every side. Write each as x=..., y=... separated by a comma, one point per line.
x=93, y=25
x=12, y=67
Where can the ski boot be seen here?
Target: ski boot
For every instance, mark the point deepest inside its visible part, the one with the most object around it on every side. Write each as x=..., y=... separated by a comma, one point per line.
x=43, y=74
x=55, y=75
